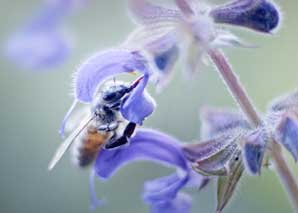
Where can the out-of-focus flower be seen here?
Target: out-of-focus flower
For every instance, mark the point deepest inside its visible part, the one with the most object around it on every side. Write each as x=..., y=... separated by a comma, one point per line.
x=193, y=28
x=108, y=64
x=163, y=194
x=41, y=43
x=283, y=118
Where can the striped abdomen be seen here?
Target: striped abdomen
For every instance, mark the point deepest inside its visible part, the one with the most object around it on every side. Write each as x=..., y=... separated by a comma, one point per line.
x=88, y=146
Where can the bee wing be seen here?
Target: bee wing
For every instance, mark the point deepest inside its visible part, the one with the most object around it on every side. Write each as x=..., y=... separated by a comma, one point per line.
x=68, y=141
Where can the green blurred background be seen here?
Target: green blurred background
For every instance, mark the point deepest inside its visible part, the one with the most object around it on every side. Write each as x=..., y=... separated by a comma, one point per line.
x=33, y=104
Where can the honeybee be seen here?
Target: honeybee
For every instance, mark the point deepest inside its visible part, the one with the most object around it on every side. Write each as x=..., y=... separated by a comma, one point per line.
x=100, y=128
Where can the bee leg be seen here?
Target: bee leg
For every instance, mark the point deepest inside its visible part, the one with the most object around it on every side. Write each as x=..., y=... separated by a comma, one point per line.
x=103, y=127
x=129, y=129
x=124, y=139
x=116, y=106
x=113, y=126
x=108, y=127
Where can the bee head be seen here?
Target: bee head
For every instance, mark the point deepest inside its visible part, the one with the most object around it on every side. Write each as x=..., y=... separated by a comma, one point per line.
x=114, y=92
x=112, y=95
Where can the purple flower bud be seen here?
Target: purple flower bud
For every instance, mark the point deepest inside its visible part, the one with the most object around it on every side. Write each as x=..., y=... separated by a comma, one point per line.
x=254, y=149
x=259, y=15
x=287, y=133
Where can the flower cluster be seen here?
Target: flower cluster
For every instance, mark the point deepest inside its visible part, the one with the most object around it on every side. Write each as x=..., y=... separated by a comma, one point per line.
x=194, y=30
x=230, y=145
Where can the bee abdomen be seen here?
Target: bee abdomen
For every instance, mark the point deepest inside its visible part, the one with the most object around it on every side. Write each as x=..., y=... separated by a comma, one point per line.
x=88, y=146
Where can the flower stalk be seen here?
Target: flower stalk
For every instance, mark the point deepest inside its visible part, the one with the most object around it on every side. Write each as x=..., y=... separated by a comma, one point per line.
x=242, y=99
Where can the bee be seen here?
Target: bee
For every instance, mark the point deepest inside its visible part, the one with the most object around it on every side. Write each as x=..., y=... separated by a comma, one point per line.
x=100, y=129
x=88, y=145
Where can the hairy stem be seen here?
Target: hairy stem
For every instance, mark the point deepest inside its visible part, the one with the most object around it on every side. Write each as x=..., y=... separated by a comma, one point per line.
x=240, y=96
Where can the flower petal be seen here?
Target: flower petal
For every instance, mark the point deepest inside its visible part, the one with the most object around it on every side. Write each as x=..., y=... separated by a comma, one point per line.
x=146, y=13
x=215, y=121
x=145, y=35
x=163, y=193
x=181, y=204
x=194, y=58
x=164, y=189
x=254, y=150
x=66, y=118
x=105, y=65
x=227, y=39
x=145, y=145
x=259, y=15
x=287, y=134
x=165, y=60
x=94, y=201
x=165, y=53
x=139, y=104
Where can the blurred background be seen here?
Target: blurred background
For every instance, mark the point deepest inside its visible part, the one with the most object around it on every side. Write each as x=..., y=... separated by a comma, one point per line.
x=34, y=103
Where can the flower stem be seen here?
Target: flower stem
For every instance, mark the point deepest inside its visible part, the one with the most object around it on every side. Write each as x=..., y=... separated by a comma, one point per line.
x=240, y=96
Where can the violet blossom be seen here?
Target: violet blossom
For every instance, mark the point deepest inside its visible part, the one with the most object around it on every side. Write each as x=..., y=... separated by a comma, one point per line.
x=194, y=27
x=162, y=194
x=105, y=65
x=228, y=147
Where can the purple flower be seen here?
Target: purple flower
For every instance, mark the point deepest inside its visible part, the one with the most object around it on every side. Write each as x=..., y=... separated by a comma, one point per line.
x=163, y=194
x=193, y=28
x=283, y=118
x=229, y=146
x=105, y=65
x=42, y=43
x=224, y=126
x=218, y=158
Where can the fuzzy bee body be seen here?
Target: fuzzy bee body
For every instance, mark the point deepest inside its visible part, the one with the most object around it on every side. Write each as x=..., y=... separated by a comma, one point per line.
x=88, y=146
x=100, y=129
